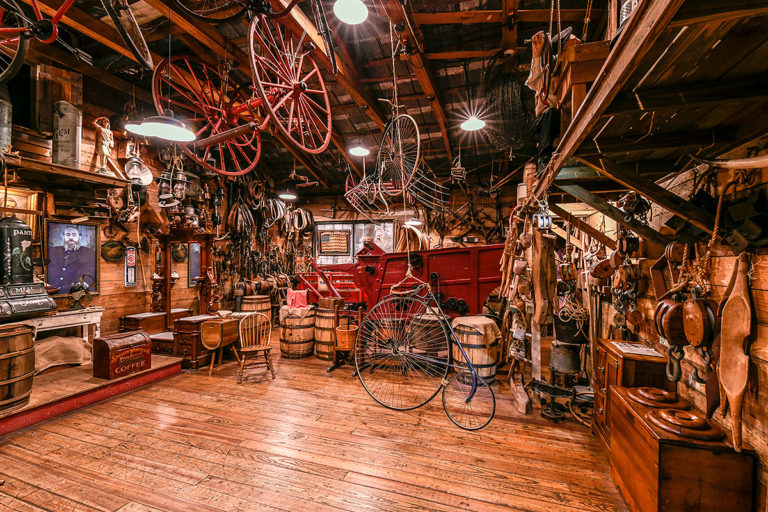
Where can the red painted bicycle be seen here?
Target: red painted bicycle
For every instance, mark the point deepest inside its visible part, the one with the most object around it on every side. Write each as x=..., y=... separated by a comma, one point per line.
x=17, y=25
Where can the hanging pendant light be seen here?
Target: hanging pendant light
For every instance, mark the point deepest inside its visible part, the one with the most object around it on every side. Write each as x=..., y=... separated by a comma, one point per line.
x=473, y=124
x=359, y=151
x=351, y=12
x=287, y=195
x=165, y=127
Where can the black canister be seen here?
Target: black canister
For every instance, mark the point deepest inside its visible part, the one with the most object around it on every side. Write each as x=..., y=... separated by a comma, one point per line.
x=16, y=250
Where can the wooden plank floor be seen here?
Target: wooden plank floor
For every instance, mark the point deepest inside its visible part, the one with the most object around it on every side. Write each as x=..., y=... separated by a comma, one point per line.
x=306, y=441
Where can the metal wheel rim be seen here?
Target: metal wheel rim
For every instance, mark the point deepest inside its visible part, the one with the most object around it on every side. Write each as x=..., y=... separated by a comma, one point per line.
x=232, y=9
x=398, y=155
x=13, y=56
x=459, y=384
x=381, y=329
x=129, y=30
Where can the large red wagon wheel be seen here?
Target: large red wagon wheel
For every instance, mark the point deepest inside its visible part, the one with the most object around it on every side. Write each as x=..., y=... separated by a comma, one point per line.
x=223, y=115
x=290, y=84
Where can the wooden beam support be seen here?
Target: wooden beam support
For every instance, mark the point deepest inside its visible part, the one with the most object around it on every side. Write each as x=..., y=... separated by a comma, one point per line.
x=496, y=16
x=585, y=196
x=655, y=142
x=744, y=89
x=421, y=68
x=462, y=54
x=699, y=217
x=583, y=226
x=644, y=27
x=718, y=11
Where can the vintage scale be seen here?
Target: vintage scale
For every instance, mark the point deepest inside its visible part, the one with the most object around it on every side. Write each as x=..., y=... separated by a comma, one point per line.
x=20, y=295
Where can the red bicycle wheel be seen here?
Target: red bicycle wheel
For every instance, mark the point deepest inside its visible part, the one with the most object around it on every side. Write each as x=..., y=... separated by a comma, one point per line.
x=205, y=98
x=290, y=84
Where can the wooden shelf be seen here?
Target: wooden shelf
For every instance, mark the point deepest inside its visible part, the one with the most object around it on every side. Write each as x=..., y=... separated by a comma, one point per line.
x=29, y=169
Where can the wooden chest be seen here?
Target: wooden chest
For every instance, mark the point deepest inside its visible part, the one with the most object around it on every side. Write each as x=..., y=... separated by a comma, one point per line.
x=219, y=332
x=151, y=322
x=658, y=471
x=614, y=367
x=121, y=354
x=186, y=341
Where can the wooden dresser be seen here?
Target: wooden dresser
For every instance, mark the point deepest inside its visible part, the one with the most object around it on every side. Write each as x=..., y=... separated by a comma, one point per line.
x=152, y=321
x=614, y=367
x=658, y=471
x=186, y=341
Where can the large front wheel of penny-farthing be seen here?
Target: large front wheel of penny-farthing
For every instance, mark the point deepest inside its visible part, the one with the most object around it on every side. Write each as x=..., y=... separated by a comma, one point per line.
x=398, y=155
x=401, y=352
x=290, y=84
x=203, y=97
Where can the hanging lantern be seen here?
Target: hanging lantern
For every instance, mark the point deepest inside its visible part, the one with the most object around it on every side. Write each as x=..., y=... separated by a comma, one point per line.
x=179, y=185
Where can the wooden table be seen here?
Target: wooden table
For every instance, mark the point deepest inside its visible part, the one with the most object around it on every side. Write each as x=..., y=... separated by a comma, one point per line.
x=217, y=334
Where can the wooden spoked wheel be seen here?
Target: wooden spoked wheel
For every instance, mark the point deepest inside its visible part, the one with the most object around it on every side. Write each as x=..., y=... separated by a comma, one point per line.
x=213, y=11
x=290, y=84
x=398, y=155
x=14, y=40
x=207, y=100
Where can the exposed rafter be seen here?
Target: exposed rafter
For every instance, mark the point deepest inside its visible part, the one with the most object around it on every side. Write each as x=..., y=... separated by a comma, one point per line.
x=421, y=67
x=496, y=16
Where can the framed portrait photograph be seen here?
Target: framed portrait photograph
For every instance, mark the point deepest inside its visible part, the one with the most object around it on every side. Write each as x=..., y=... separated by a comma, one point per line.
x=193, y=264
x=72, y=255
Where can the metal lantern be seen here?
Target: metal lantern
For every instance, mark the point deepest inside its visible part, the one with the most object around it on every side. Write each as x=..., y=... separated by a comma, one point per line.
x=179, y=185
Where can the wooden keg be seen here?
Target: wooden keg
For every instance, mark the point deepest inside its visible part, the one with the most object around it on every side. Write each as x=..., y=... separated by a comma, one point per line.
x=17, y=365
x=325, y=333
x=427, y=333
x=297, y=335
x=260, y=303
x=483, y=358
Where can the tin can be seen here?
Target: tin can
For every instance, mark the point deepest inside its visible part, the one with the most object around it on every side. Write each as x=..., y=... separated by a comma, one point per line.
x=67, y=134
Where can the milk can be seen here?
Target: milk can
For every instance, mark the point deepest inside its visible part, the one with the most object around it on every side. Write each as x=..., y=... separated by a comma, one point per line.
x=5, y=122
x=67, y=134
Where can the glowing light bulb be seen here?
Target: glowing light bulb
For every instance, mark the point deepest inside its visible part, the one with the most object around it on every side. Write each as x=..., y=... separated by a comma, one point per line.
x=473, y=124
x=351, y=12
x=359, y=151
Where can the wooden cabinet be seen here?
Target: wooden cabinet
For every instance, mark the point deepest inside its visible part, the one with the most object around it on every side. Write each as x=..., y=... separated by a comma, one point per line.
x=151, y=322
x=186, y=341
x=614, y=367
x=658, y=471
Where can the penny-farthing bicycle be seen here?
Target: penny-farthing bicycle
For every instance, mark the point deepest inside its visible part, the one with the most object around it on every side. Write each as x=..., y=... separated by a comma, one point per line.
x=404, y=352
x=290, y=95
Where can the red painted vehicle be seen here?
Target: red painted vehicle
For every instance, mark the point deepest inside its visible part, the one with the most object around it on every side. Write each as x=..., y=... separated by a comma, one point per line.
x=462, y=277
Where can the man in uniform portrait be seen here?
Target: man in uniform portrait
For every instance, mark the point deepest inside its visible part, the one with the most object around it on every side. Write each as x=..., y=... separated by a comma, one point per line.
x=71, y=260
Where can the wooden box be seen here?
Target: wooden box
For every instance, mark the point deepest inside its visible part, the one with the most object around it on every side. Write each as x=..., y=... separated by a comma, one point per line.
x=121, y=354
x=219, y=332
x=613, y=367
x=658, y=471
x=186, y=341
x=152, y=321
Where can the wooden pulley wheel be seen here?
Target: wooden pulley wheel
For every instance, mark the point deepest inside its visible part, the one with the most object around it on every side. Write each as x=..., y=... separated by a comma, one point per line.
x=670, y=323
x=519, y=267
x=628, y=245
x=620, y=278
x=567, y=272
x=619, y=319
x=677, y=422
x=675, y=252
x=634, y=317
x=541, y=221
x=616, y=259
x=602, y=269
x=696, y=322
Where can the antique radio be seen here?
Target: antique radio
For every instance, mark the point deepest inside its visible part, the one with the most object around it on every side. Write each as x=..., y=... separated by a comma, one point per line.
x=121, y=354
x=19, y=294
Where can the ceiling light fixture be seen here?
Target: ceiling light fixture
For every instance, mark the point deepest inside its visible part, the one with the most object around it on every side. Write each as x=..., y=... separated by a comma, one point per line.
x=473, y=124
x=287, y=195
x=413, y=222
x=359, y=151
x=164, y=127
x=351, y=12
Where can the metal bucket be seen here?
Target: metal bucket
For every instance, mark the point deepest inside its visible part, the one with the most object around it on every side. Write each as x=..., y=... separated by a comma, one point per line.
x=67, y=134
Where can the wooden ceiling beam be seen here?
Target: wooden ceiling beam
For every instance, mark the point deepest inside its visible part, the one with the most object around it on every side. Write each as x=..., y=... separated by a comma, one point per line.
x=718, y=11
x=462, y=54
x=656, y=142
x=637, y=38
x=496, y=16
x=583, y=226
x=688, y=96
x=610, y=211
x=421, y=68
x=696, y=215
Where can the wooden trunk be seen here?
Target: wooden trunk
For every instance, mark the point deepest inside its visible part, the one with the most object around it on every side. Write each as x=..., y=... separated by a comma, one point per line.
x=219, y=332
x=260, y=303
x=186, y=341
x=297, y=335
x=151, y=322
x=325, y=333
x=483, y=358
x=121, y=354
x=17, y=365
x=612, y=367
x=662, y=472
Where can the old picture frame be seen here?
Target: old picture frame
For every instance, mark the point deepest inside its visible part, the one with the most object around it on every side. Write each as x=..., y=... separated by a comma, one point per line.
x=72, y=254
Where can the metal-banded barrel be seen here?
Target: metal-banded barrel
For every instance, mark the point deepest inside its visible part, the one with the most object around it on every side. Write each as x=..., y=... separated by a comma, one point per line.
x=325, y=333
x=483, y=358
x=297, y=335
x=260, y=303
x=17, y=365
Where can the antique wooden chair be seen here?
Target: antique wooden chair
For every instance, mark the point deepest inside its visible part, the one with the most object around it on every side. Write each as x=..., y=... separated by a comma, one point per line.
x=255, y=333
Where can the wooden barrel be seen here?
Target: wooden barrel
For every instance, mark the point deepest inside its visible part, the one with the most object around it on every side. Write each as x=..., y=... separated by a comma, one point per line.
x=484, y=359
x=297, y=335
x=325, y=333
x=330, y=302
x=17, y=365
x=260, y=303
x=427, y=335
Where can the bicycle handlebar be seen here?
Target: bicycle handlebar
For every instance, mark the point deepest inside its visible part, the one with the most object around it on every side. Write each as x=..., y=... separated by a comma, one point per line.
x=385, y=100
x=412, y=291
